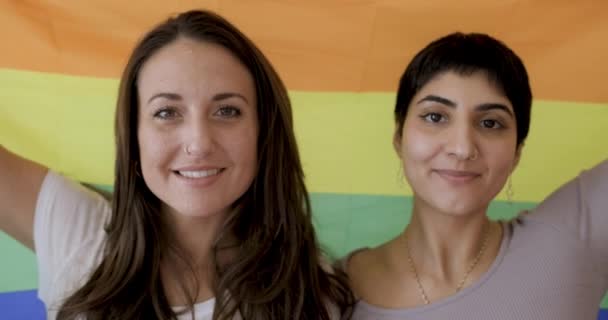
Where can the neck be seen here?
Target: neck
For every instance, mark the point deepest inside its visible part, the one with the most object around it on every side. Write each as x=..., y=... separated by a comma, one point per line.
x=445, y=246
x=187, y=266
x=194, y=237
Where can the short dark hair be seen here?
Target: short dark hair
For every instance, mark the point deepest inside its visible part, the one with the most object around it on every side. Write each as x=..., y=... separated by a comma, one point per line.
x=467, y=54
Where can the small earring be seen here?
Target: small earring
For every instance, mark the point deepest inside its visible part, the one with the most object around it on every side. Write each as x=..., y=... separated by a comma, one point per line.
x=510, y=191
x=400, y=176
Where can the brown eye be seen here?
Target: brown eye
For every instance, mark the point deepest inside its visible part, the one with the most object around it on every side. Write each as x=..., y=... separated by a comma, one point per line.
x=433, y=117
x=166, y=113
x=228, y=112
x=491, y=124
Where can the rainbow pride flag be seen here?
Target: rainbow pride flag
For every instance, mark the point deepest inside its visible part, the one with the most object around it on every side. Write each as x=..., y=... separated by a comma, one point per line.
x=60, y=62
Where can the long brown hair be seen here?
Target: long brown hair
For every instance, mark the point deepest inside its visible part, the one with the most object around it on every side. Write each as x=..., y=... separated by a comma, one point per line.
x=278, y=271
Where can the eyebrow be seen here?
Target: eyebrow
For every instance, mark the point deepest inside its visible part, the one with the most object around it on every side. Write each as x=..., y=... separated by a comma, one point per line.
x=228, y=95
x=217, y=97
x=481, y=107
x=438, y=99
x=494, y=106
x=168, y=96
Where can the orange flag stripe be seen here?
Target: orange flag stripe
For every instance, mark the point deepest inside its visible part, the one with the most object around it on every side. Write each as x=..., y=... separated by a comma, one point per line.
x=324, y=45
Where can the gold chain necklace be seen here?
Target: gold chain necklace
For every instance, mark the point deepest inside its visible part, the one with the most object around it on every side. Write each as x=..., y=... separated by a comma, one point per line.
x=425, y=298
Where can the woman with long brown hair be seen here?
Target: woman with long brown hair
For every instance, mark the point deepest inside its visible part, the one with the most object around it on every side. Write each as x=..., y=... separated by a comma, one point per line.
x=210, y=217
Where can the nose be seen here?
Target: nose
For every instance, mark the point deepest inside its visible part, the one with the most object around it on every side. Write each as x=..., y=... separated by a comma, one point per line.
x=461, y=143
x=199, y=140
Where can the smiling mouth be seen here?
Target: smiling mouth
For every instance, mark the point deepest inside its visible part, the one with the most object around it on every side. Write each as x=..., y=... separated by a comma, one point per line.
x=197, y=174
x=457, y=176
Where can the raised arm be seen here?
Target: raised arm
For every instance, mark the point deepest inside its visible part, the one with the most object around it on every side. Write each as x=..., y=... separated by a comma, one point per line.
x=20, y=181
x=580, y=208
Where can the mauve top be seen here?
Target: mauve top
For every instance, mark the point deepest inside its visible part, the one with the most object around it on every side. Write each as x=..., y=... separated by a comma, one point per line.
x=552, y=263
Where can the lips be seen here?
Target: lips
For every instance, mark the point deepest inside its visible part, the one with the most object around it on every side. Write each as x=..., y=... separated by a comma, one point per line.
x=457, y=176
x=199, y=177
x=198, y=172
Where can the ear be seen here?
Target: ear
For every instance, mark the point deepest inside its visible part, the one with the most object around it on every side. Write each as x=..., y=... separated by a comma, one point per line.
x=397, y=141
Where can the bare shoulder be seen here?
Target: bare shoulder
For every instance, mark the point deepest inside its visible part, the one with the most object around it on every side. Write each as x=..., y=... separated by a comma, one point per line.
x=367, y=270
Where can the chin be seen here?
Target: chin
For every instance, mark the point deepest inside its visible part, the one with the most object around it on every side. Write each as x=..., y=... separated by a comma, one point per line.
x=196, y=211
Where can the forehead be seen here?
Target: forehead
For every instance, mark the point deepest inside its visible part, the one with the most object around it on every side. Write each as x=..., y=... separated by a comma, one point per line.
x=189, y=67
